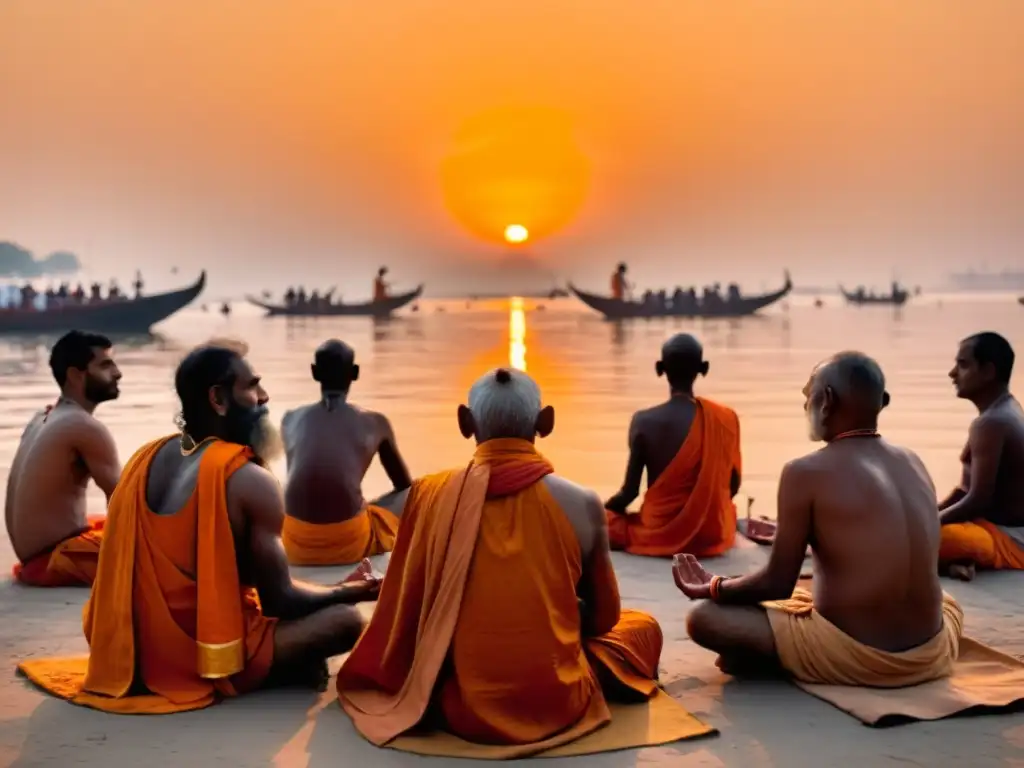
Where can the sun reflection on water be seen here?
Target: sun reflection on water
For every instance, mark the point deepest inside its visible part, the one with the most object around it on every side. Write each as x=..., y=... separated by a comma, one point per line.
x=517, y=334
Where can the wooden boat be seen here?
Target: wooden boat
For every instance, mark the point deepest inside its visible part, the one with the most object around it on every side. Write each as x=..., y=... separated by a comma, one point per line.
x=620, y=309
x=118, y=316
x=896, y=299
x=366, y=309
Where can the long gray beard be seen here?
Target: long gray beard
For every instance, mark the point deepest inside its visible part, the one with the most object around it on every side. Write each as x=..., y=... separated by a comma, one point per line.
x=266, y=440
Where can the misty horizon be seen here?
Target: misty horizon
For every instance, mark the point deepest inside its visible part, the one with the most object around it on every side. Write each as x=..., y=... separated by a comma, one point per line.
x=311, y=143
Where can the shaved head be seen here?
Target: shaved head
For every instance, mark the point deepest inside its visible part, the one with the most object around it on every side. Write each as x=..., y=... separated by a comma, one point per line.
x=682, y=360
x=334, y=365
x=845, y=392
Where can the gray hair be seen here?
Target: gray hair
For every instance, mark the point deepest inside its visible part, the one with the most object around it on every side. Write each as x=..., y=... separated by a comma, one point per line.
x=505, y=403
x=857, y=375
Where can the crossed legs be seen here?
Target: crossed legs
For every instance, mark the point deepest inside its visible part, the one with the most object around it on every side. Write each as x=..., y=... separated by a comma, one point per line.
x=740, y=635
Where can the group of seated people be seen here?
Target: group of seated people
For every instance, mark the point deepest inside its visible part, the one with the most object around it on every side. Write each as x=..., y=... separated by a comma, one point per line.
x=681, y=300
x=192, y=600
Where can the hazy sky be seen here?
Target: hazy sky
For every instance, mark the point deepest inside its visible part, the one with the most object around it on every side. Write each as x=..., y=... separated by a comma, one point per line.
x=313, y=140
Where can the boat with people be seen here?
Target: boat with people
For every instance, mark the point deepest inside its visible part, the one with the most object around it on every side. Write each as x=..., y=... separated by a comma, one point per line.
x=682, y=303
x=896, y=297
x=326, y=307
x=116, y=313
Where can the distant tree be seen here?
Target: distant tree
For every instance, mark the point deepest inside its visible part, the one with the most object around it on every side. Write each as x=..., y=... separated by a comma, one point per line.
x=60, y=262
x=19, y=262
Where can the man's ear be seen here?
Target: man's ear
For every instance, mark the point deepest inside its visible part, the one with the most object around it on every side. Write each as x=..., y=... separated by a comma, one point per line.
x=545, y=421
x=355, y=372
x=886, y=399
x=217, y=400
x=312, y=371
x=829, y=399
x=467, y=424
x=704, y=368
x=659, y=368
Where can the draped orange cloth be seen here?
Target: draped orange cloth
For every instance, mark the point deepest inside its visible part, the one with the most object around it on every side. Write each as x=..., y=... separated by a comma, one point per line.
x=689, y=508
x=493, y=654
x=982, y=543
x=371, y=532
x=169, y=625
x=72, y=563
x=380, y=290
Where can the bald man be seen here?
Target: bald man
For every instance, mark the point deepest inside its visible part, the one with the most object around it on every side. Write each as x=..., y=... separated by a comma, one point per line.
x=983, y=519
x=329, y=446
x=502, y=572
x=689, y=447
x=878, y=616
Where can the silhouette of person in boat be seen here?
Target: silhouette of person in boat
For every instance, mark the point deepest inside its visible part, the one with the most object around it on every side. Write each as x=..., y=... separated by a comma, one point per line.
x=380, y=287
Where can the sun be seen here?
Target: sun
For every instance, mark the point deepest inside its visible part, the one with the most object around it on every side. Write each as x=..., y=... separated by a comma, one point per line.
x=516, y=233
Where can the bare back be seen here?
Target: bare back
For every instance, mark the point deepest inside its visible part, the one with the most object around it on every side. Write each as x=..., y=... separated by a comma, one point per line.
x=328, y=453
x=1006, y=421
x=59, y=452
x=660, y=432
x=875, y=538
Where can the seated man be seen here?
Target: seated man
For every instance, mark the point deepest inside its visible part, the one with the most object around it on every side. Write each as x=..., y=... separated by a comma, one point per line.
x=690, y=447
x=983, y=519
x=62, y=447
x=878, y=616
x=329, y=446
x=525, y=646
x=193, y=599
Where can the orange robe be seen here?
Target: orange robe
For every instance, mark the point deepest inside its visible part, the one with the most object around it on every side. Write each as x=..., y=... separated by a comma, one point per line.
x=169, y=626
x=983, y=543
x=380, y=290
x=689, y=508
x=618, y=286
x=477, y=628
x=72, y=563
x=371, y=532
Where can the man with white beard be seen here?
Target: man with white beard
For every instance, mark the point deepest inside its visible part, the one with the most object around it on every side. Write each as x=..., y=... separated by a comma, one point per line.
x=877, y=616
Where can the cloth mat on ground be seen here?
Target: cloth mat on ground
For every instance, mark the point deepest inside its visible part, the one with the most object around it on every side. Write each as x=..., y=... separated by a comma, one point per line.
x=661, y=720
x=983, y=679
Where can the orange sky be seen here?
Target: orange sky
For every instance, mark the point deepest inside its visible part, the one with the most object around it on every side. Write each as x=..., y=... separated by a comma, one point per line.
x=719, y=139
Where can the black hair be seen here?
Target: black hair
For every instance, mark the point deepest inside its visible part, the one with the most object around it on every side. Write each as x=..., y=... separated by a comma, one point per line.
x=334, y=365
x=206, y=366
x=682, y=361
x=75, y=349
x=989, y=347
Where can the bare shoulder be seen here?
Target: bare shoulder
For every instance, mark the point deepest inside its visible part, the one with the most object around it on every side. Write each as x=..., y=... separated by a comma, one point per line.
x=992, y=420
x=914, y=462
x=804, y=469
x=254, y=487
x=573, y=496
x=78, y=424
x=643, y=419
x=33, y=424
x=378, y=421
x=294, y=413
x=992, y=424
x=911, y=457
